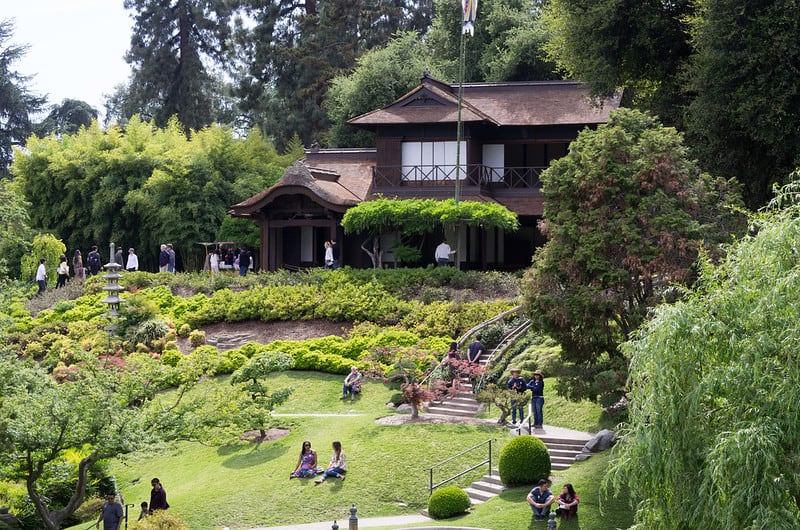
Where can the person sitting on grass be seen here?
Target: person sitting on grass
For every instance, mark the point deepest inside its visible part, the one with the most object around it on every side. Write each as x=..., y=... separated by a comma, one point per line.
x=540, y=498
x=338, y=466
x=352, y=383
x=306, y=463
x=567, y=502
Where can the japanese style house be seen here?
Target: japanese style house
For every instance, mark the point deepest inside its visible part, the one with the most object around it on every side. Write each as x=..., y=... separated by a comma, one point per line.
x=510, y=134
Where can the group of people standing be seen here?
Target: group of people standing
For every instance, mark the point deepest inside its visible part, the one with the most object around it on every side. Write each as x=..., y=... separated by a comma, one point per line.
x=536, y=385
x=166, y=258
x=307, y=464
x=79, y=269
x=241, y=259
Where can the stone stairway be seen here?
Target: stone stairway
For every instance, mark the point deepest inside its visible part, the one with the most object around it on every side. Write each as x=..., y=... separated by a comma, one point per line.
x=562, y=444
x=462, y=404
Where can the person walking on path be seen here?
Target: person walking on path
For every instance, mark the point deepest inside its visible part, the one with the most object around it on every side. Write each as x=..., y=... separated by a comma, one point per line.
x=171, y=264
x=163, y=259
x=111, y=514
x=77, y=265
x=94, y=261
x=63, y=272
x=335, y=252
x=41, y=276
x=475, y=350
x=158, y=496
x=536, y=386
x=443, y=254
x=133, y=261
x=338, y=466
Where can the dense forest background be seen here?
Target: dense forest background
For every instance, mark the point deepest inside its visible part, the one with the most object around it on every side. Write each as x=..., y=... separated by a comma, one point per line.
x=293, y=72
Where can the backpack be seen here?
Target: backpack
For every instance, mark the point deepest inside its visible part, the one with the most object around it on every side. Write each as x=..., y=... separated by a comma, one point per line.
x=93, y=260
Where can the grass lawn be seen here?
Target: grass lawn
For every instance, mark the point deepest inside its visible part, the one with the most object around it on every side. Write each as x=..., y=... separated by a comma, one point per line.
x=245, y=485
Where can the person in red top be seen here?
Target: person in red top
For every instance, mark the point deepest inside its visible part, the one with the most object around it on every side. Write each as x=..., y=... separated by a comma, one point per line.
x=567, y=502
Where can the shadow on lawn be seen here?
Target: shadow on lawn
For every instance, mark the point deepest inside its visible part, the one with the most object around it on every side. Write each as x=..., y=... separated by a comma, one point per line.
x=241, y=456
x=563, y=524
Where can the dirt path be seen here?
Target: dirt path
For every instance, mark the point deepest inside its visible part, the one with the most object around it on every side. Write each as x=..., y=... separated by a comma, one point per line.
x=227, y=336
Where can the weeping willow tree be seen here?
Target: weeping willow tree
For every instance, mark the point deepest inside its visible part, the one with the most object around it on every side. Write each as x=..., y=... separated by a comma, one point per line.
x=713, y=438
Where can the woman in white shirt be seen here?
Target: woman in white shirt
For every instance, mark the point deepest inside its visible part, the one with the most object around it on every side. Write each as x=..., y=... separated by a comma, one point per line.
x=338, y=466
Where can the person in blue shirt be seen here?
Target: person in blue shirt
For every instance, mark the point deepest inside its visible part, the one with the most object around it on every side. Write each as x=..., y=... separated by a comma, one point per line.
x=517, y=384
x=110, y=514
x=536, y=386
x=540, y=498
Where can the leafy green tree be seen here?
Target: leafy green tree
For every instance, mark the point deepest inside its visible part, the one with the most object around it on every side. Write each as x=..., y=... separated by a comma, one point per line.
x=44, y=246
x=640, y=46
x=381, y=76
x=66, y=118
x=15, y=232
x=250, y=380
x=293, y=50
x=744, y=119
x=508, y=44
x=715, y=392
x=626, y=214
x=503, y=399
x=42, y=420
x=17, y=103
x=143, y=186
x=173, y=48
x=410, y=217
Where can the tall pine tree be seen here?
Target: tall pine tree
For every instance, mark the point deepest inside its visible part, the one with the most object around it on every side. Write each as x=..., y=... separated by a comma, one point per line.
x=17, y=103
x=294, y=49
x=174, y=44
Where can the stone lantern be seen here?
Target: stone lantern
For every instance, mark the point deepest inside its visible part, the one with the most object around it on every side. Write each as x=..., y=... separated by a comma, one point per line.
x=112, y=290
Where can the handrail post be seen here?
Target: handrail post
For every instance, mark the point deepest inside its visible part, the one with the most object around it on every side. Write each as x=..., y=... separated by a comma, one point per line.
x=490, y=458
x=430, y=491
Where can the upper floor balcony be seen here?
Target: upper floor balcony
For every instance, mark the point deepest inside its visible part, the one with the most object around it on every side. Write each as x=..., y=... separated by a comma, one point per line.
x=491, y=179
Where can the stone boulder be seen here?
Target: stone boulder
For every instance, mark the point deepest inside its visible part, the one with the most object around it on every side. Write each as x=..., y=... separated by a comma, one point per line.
x=601, y=441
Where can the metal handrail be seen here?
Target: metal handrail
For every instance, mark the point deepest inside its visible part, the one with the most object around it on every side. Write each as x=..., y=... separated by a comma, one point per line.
x=510, y=338
x=476, y=466
x=463, y=338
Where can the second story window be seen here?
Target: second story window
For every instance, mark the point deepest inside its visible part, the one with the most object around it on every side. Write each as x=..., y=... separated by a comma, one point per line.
x=435, y=161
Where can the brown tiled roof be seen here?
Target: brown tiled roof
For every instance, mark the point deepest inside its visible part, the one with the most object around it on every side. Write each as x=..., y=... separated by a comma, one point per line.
x=343, y=181
x=523, y=205
x=521, y=103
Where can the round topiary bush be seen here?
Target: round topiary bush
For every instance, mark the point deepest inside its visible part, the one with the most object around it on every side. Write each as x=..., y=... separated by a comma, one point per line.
x=524, y=460
x=447, y=502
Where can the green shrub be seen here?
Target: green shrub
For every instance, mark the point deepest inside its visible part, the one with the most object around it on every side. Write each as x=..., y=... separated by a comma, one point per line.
x=171, y=357
x=447, y=502
x=161, y=520
x=184, y=330
x=197, y=338
x=148, y=332
x=397, y=399
x=524, y=460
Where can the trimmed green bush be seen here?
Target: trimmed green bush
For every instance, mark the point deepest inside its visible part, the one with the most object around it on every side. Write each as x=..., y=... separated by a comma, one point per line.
x=524, y=460
x=447, y=502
